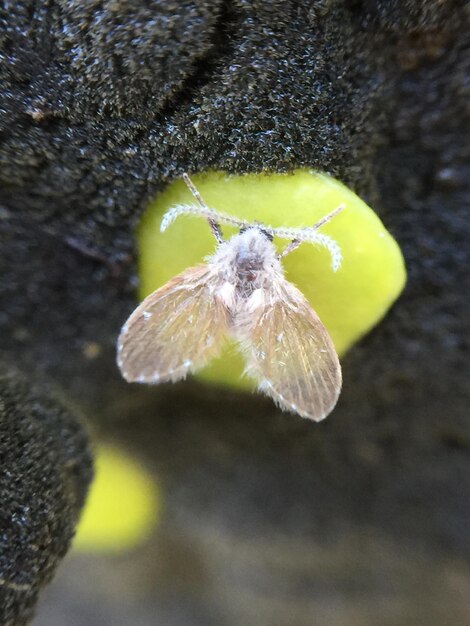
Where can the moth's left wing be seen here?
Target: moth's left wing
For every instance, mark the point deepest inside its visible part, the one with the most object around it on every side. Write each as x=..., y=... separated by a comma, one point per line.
x=291, y=355
x=176, y=329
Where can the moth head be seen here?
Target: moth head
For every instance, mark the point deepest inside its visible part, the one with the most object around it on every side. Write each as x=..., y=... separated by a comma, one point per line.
x=249, y=250
x=253, y=249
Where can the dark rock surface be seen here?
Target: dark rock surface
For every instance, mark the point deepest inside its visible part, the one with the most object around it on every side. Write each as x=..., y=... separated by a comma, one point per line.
x=105, y=102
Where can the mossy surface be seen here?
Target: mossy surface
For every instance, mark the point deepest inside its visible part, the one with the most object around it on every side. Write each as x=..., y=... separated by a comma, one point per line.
x=349, y=302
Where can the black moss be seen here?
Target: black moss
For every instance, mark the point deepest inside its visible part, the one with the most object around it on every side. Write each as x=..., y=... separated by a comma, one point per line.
x=45, y=471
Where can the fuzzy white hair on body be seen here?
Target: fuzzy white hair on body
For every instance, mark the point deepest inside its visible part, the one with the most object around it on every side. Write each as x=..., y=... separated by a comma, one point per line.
x=241, y=292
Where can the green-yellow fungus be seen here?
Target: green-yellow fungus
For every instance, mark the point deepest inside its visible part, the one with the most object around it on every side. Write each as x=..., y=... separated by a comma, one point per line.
x=349, y=302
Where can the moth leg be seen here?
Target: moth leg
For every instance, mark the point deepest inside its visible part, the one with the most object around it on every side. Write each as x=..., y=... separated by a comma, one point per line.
x=295, y=243
x=216, y=231
x=305, y=233
x=328, y=217
x=215, y=227
x=309, y=235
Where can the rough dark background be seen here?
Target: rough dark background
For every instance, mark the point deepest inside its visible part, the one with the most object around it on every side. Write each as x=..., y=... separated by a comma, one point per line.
x=269, y=520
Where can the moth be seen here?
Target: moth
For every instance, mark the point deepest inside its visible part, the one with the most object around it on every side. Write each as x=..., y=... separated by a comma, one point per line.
x=240, y=292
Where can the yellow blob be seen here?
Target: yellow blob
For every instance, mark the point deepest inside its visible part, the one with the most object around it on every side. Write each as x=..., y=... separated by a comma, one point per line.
x=349, y=302
x=122, y=506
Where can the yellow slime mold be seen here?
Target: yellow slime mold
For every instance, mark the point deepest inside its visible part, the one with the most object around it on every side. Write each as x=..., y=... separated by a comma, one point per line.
x=122, y=507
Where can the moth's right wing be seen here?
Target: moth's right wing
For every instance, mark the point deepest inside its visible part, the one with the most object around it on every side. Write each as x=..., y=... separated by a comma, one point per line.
x=176, y=329
x=291, y=355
